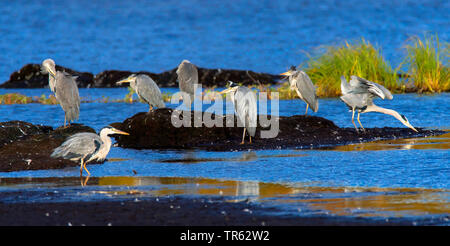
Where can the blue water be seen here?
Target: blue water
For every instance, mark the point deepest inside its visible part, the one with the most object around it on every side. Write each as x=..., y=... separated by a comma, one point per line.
x=264, y=36
x=387, y=168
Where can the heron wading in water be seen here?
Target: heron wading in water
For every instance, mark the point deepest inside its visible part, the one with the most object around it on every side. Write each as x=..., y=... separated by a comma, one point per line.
x=146, y=89
x=358, y=95
x=301, y=83
x=86, y=147
x=187, y=80
x=245, y=106
x=65, y=89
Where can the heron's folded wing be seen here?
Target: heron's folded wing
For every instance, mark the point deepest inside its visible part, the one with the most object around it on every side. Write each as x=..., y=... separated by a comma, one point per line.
x=308, y=90
x=148, y=90
x=187, y=77
x=78, y=145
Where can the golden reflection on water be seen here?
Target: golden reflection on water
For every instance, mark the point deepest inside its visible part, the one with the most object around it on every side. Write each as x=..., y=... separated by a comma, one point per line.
x=336, y=200
x=366, y=202
x=432, y=142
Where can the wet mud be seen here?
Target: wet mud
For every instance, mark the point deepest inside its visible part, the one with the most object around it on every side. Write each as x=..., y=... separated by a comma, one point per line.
x=163, y=211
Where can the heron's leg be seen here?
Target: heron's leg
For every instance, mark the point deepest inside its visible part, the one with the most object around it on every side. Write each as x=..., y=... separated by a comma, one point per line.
x=81, y=167
x=353, y=120
x=83, y=183
x=306, y=112
x=360, y=122
x=250, y=139
x=243, y=136
x=64, y=122
x=86, y=169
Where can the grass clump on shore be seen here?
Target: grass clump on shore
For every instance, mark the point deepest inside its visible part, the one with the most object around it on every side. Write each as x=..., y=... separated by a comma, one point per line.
x=428, y=64
x=14, y=98
x=361, y=59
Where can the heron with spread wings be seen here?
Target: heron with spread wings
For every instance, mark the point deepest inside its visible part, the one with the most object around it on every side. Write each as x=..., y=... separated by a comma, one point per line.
x=358, y=95
x=146, y=89
x=301, y=83
x=65, y=89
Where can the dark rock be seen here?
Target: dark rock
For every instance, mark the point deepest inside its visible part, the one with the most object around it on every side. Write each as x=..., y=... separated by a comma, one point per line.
x=28, y=147
x=30, y=76
x=154, y=130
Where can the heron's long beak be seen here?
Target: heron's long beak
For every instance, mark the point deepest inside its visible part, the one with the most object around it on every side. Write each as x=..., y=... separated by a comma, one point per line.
x=410, y=126
x=288, y=73
x=226, y=90
x=127, y=80
x=50, y=70
x=120, y=132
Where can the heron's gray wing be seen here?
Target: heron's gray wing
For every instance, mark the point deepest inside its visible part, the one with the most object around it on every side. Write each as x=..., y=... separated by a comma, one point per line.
x=67, y=95
x=149, y=91
x=345, y=86
x=246, y=108
x=356, y=101
x=78, y=146
x=187, y=77
x=307, y=90
x=360, y=85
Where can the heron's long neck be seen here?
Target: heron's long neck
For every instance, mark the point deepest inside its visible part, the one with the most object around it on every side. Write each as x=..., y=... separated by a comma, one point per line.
x=106, y=142
x=51, y=82
x=375, y=108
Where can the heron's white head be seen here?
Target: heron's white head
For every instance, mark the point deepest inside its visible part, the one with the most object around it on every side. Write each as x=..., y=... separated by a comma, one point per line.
x=290, y=72
x=405, y=122
x=131, y=79
x=232, y=87
x=48, y=66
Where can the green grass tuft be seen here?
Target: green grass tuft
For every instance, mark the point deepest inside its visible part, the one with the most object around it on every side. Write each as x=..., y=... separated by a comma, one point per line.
x=427, y=64
x=361, y=59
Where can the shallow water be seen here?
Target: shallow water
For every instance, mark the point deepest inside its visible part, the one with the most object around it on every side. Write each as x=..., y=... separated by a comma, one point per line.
x=386, y=178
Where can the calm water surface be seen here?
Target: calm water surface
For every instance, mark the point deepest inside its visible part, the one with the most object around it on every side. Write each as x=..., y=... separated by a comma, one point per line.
x=374, y=176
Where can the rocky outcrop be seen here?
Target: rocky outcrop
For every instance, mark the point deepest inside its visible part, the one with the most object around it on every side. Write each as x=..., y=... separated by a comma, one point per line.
x=30, y=76
x=154, y=130
x=24, y=146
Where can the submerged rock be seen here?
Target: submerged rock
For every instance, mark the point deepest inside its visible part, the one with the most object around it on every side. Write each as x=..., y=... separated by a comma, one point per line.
x=30, y=76
x=24, y=146
x=154, y=130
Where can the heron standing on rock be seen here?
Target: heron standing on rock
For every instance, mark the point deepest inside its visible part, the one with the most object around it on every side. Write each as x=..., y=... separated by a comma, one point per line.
x=358, y=95
x=302, y=84
x=245, y=105
x=86, y=147
x=65, y=89
x=146, y=89
x=187, y=79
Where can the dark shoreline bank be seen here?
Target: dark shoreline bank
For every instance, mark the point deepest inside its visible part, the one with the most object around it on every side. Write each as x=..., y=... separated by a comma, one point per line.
x=30, y=76
x=167, y=211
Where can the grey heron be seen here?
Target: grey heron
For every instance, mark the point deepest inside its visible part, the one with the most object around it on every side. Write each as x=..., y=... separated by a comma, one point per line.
x=358, y=95
x=187, y=78
x=65, y=89
x=245, y=106
x=146, y=89
x=301, y=83
x=86, y=147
